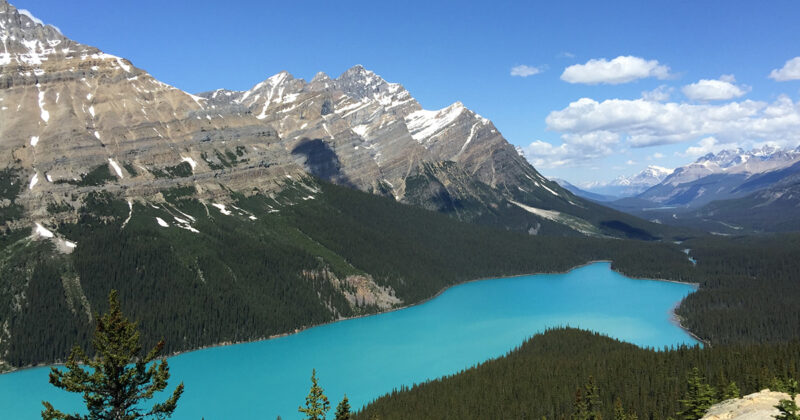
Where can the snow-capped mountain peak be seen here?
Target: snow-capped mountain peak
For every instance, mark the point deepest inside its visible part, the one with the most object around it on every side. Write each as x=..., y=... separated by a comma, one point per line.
x=625, y=186
x=735, y=161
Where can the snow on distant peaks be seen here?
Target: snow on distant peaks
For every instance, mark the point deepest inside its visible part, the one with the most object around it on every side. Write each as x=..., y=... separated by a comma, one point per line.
x=648, y=177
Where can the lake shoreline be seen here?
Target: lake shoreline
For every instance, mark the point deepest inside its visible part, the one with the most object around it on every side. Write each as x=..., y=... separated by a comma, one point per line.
x=674, y=318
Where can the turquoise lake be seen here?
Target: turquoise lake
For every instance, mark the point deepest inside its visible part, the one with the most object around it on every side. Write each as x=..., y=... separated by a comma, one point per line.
x=367, y=357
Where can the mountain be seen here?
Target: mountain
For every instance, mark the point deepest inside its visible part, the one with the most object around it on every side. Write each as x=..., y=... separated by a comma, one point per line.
x=221, y=211
x=361, y=131
x=82, y=121
x=721, y=176
x=628, y=186
x=772, y=209
x=582, y=193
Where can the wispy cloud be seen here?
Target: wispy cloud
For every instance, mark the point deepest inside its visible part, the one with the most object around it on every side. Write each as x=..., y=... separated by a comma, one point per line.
x=789, y=71
x=622, y=69
x=523, y=70
x=566, y=54
x=659, y=94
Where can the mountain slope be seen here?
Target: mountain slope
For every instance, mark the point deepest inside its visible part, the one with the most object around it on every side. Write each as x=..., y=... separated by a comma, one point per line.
x=774, y=209
x=361, y=131
x=725, y=175
x=201, y=273
x=87, y=121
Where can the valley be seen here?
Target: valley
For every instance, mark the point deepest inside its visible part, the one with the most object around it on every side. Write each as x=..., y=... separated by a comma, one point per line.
x=369, y=356
x=413, y=256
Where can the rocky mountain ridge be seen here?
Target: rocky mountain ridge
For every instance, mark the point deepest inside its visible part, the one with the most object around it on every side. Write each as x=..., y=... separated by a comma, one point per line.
x=735, y=161
x=728, y=174
x=76, y=120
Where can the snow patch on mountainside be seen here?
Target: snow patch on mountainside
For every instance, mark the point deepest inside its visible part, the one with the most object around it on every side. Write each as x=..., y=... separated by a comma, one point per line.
x=425, y=124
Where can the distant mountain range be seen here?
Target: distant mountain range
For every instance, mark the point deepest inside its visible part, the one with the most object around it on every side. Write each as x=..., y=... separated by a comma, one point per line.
x=727, y=191
x=581, y=192
x=622, y=186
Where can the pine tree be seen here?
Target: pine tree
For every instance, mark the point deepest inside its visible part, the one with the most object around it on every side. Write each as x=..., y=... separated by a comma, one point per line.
x=579, y=408
x=343, y=409
x=619, y=411
x=788, y=408
x=119, y=379
x=317, y=404
x=731, y=391
x=699, y=397
x=593, y=404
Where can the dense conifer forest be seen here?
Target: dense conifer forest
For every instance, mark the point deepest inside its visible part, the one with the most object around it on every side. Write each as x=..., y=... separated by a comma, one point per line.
x=241, y=279
x=542, y=378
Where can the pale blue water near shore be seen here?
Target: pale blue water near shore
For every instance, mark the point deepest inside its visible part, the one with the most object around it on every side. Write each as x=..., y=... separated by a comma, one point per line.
x=370, y=356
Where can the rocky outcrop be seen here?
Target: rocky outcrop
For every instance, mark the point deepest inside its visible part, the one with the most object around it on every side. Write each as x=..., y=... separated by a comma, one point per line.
x=757, y=406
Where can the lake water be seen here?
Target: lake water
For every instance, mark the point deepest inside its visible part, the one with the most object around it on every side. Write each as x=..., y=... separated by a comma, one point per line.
x=370, y=356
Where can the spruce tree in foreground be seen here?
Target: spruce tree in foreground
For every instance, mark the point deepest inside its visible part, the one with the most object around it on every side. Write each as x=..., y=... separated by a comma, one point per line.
x=317, y=404
x=788, y=408
x=119, y=379
x=699, y=397
x=594, y=407
x=731, y=391
x=587, y=405
x=343, y=409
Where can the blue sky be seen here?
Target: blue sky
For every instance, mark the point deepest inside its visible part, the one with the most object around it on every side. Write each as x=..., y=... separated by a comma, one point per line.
x=444, y=52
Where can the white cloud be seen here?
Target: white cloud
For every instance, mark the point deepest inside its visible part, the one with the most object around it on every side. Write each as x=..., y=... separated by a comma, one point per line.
x=566, y=54
x=525, y=71
x=657, y=155
x=622, y=69
x=645, y=123
x=659, y=94
x=704, y=147
x=630, y=163
x=574, y=149
x=722, y=89
x=789, y=71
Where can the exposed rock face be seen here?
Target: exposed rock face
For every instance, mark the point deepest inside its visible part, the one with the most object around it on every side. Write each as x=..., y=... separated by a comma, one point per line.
x=377, y=134
x=360, y=290
x=74, y=119
x=362, y=131
x=758, y=406
x=67, y=108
